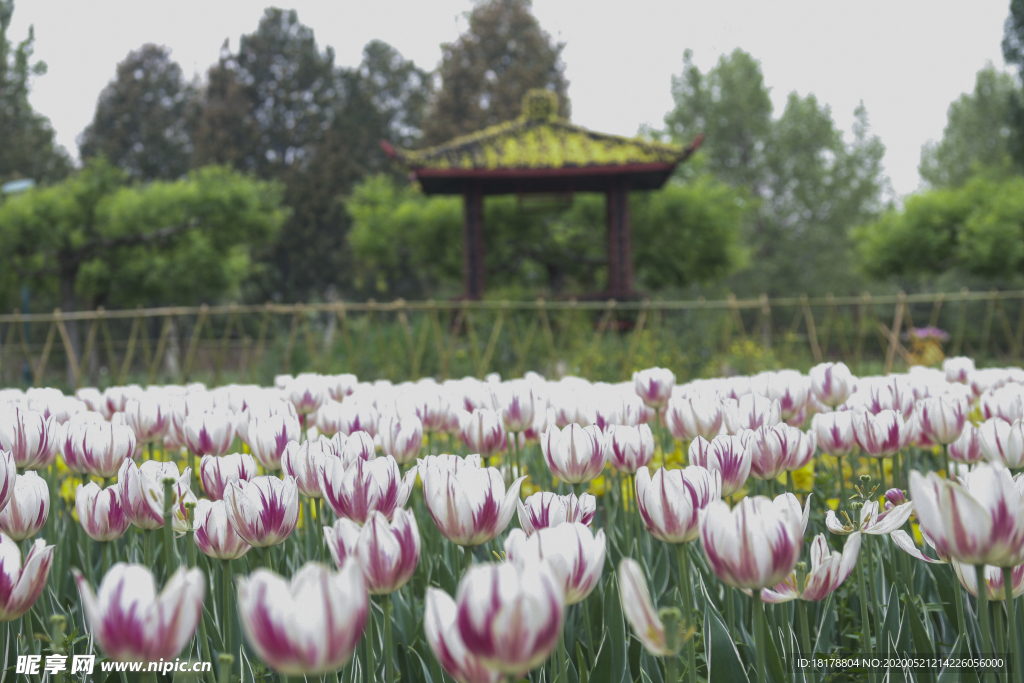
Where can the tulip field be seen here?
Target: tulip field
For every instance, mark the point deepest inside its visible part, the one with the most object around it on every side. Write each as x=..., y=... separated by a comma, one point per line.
x=777, y=527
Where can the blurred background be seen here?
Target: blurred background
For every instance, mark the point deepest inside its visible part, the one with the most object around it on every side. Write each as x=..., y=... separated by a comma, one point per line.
x=259, y=178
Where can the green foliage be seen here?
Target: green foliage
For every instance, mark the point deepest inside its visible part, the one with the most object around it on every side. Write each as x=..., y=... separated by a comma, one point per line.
x=95, y=240
x=405, y=242
x=809, y=185
x=27, y=149
x=485, y=73
x=978, y=134
x=143, y=117
x=977, y=229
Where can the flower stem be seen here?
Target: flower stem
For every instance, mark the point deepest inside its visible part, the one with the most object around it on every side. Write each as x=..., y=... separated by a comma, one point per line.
x=371, y=662
x=389, y=655
x=875, y=596
x=226, y=585
x=671, y=669
x=168, y=531
x=684, y=578
x=1011, y=624
x=805, y=635
x=762, y=638
x=986, y=631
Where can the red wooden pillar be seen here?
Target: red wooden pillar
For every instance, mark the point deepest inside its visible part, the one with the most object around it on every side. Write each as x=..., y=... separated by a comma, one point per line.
x=473, y=241
x=620, y=252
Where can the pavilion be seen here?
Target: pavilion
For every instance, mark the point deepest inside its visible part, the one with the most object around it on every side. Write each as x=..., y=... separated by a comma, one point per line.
x=544, y=154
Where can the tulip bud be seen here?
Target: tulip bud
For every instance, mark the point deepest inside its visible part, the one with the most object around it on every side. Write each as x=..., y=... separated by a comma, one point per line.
x=215, y=472
x=308, y=625
x=100, y=512
x=214, y=534
x=264, y=511
x=161, y=625
x=26, y=512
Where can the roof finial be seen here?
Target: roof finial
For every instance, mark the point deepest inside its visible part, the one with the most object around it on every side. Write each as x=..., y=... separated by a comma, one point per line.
x=540, y=104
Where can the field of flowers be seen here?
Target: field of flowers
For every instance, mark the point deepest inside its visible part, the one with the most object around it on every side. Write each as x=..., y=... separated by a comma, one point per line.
x=780, y=527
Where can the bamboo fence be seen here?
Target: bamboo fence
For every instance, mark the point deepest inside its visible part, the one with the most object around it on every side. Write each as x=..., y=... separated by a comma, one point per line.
x=405, y=340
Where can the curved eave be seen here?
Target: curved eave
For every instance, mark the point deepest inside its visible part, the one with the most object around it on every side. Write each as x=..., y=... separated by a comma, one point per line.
x=541, y=180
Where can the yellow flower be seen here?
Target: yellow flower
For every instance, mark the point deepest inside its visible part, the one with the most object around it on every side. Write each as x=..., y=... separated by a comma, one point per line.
x=803, y=478
x=918, y=538
x=528, y=489
x=833, y=503
x=599, y=486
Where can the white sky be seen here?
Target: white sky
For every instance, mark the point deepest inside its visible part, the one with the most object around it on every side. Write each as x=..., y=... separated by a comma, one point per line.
x=906, y=59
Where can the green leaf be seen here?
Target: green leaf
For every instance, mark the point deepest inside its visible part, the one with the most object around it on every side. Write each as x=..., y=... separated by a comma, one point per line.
x=724, y=663
x=922, y=643
x=615, y=628
x=823, y=644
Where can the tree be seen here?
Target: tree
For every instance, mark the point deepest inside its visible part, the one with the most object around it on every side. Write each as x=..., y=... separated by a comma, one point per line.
x=978, y=135
x=976, y=229
x=143, y=117
x=28, y=149
x=485, y=73
x=808, y=184
x=406, y=243
x=266, y=107
x=93, y=239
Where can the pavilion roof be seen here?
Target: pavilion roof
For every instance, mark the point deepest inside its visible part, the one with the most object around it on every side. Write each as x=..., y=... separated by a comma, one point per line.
x=536, y=144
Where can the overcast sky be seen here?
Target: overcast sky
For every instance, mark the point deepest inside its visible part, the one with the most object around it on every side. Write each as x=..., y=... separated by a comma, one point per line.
x=905, y=59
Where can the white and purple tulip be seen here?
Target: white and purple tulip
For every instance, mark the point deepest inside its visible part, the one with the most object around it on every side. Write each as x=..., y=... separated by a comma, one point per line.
x=575, y=454
x=751, y=411
x=834, y=432
x=509, y=616
x=100, y=512
x=1003, y=442
x=469, y=505
x=544, y=509
x=364, y=486
x=517, y=405
x=774, y=450
x=401, y=437
x=131, y=622
x=209, y=433
x=574, y=553
x=688, y=417
x=755, y=545
x=142, y=493
x=639, y=610
x=148, y=417
x=628, y=448
x=942, y=418
x=29, y=437
x=22, y=584
x=672, y=502
x=214, y=534
x=216, y=471
x=483, y=431
x=308, y=625
x=100, y=448
x=967, y=449
x=994, y=581
x=269, y=436
x=827, y=572
x=654, y=386
x=725, y=454
x=882, y=435
x=388, y=552
x=831, y=383
x=873, y=521
x=978, y=520
x=8, y=477
x=439, y=625
x=28, y=507
x=307, y=392
x=355, y=446
x=305, y=461
x=264, y=511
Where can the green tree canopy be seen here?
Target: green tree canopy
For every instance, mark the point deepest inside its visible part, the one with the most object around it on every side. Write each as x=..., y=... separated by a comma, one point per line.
x=407, y=244
x=809, y=184
x=93, y=239
x=485, y=73
x=978, y=135
x=27, y=147
x=143, y=117
x=977, y=228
